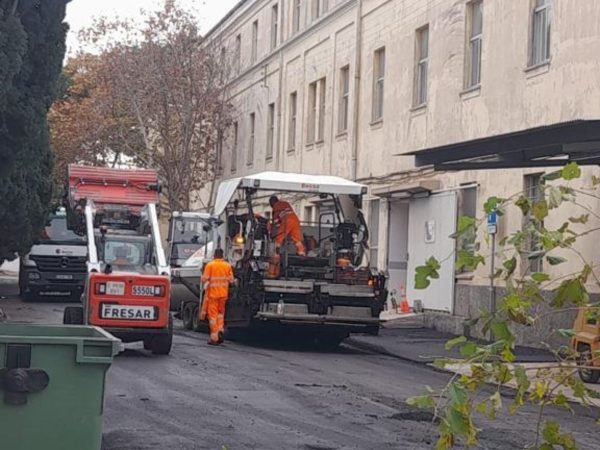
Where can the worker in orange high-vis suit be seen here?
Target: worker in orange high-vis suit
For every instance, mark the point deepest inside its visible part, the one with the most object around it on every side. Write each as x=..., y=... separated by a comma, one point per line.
x=285, y=223
x=217, y=277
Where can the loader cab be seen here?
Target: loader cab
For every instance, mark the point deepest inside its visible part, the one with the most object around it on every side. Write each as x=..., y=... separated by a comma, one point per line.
x=189, y=233
x=126, y=252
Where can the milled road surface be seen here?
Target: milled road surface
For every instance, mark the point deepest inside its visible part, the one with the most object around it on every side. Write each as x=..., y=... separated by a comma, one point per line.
x=256, y=396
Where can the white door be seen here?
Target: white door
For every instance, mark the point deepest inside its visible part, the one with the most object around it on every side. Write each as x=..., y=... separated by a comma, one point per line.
x=398, y=248
x=431, y=223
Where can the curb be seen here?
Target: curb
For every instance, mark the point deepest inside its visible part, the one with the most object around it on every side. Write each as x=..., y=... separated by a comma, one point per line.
x=381, y=350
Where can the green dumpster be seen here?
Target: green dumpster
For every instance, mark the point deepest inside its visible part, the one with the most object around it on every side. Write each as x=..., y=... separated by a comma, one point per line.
x=52, y=386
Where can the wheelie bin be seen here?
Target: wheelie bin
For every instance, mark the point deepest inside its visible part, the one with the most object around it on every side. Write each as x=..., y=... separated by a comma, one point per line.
x=52, y=386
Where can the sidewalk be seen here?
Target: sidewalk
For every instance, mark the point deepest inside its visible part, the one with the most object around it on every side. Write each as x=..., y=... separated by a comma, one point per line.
x=406, y=338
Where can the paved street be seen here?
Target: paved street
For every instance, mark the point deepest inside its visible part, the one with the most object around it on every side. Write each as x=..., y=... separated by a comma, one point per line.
x=251, y=395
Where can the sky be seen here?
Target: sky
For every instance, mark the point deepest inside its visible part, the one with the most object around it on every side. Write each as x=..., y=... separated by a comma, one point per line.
x=80, y=13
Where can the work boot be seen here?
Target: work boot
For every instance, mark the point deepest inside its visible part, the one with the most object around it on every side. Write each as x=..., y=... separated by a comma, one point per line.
x=214, y=343
x=221, y=337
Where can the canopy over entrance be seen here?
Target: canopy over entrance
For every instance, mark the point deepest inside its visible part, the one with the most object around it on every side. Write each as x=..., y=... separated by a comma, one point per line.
x=286, y=182
x=553, y=145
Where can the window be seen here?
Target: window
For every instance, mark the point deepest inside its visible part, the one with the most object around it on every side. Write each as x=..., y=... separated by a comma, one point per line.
x=254, y=41
x=296, y=16
x=270, y=130
x=321, y=118
x=274, y=25
x=234, y=148
x=378, y=84
x=319, y=7
x=467, y=206
x=316, y=111
x=344, y=99
x=312, y=112
x=293, y=120
x=422, y=66
x=474, y=45
x=540, y=32
x=250, y=159
x=374, y=231
x=238, y=52
x=308, y=214
x=534, y=193
x=219, y=151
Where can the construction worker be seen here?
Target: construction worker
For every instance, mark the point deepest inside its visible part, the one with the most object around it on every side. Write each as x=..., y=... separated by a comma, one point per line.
x=285, y=223
x=217, y=277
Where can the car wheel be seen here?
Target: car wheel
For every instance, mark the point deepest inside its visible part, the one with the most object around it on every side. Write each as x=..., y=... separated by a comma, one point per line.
x=585, y=360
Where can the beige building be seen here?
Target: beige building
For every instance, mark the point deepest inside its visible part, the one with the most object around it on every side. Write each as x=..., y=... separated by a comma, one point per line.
x=351, y=87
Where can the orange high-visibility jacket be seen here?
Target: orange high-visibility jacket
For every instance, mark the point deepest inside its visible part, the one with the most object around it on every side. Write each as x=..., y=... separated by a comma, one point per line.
x=219, y=275
x=284, y=216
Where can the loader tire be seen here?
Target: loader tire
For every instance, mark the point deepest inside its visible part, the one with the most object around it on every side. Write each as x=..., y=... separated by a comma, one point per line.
x=73, y=315
x=161, y=344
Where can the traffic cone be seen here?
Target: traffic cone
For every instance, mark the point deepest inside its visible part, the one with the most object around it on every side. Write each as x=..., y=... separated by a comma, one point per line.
x=404, y=306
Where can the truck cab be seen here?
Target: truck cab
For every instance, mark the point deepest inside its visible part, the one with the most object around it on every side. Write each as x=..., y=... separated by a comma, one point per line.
x=128, y=284
x=55, y=267
x=325, y=295
x=190, y=243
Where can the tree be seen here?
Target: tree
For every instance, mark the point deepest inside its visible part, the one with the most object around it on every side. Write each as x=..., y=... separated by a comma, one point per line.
x=83, y=129
x=467, y=396
x=159, y=92
x=32, y=46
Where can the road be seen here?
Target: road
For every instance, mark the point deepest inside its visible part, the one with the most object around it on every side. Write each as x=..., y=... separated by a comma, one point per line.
x=250, y=395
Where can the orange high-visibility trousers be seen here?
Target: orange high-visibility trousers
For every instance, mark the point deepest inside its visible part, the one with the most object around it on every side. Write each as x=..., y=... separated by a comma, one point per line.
x=290, y=226
x=215, y=308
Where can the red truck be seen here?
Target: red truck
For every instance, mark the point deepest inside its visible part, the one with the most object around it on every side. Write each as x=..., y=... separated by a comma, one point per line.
x=128, y=284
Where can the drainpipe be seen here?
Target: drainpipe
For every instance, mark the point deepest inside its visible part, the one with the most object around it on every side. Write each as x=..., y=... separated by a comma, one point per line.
x=357, y=72
x=281, y=148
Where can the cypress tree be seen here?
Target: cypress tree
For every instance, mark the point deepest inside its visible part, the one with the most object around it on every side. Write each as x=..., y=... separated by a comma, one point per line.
x=32, y=48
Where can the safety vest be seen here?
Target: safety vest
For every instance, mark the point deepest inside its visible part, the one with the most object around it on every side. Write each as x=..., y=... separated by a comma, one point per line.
x=218, y=275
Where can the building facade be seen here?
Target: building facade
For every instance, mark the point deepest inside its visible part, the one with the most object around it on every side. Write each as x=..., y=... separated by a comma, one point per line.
x=351, y=87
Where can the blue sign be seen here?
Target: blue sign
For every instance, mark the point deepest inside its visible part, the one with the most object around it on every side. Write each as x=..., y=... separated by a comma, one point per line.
x=492, y=222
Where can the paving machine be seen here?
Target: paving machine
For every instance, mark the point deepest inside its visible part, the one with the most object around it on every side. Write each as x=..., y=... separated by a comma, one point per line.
x=128, y=285
x=326, y=295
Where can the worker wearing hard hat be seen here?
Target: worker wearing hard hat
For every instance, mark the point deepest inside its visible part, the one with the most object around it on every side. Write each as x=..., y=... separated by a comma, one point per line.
x=285, y=223
x=217, y=277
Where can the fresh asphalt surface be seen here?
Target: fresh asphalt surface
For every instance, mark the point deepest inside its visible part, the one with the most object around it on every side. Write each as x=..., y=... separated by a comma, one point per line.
x=253, y=395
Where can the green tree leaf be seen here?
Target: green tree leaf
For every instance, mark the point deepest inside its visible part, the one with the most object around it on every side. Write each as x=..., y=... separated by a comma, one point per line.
x=524, y=204
x=423, y=274
x=555, y=197
x=501, y=331
x=571, y=171
x=572, y=291
x=422, y=401
x=583, y=219
x=493, y=204
x=454, y=342
x=510, y=265
x=468, y=350
x=540, y=277
x=555, y=260
x=540, y=210
x=567, y=332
